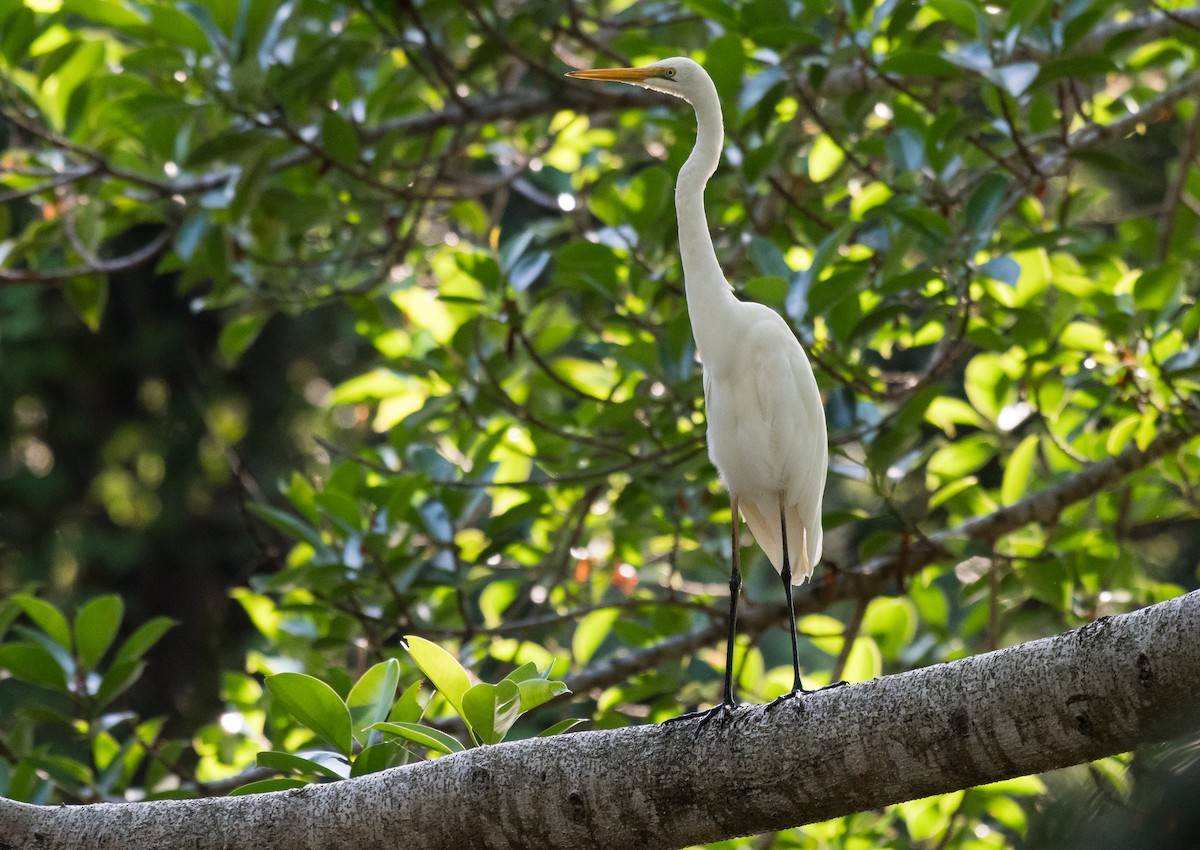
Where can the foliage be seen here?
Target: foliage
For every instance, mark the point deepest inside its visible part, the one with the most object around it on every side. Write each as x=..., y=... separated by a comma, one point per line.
x=67, y=738
x=980, y=219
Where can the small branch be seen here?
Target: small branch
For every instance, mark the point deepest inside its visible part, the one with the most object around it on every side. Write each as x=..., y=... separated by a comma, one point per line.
x=94, y=265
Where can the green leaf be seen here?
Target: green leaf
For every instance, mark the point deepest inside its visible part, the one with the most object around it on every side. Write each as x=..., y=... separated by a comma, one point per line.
x=725, y=61
x=190, y=234
x=48, y=618
x=377, y=757
x=289, y=524
x=561, y=727
x=96, y=626
x=410, y=707
x=143, y=638
x=339, y=139
x=441, y=668
x=87, y=294
x=266, y=786
x=177, y=26
x=117, y=679
x=865, y=661
x=961, y=457
x=1077, y=67
x=239, y=334
x=524, y=673
x=985, y=204
x=715, y=10
x=824, y=158
x=988, y=384
x=104, y=12
x=291, y=763
x=316, y=705
x=1017, y=471
x=1156, y=287
x=1083, y=336
x=490, y=710
x=535, y=692
x=32, y=663
x=593, y=628
x=371, y=697
x=919, y=63
x=959, y=12
x=1122, y=433
x=892, y=622
x=434, y=739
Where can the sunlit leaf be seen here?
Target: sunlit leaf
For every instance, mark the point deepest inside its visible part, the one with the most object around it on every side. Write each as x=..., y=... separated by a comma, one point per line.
x=441, y=668
x=426, y=736
x=316, y=705
x=370, y=699
x=490, y=710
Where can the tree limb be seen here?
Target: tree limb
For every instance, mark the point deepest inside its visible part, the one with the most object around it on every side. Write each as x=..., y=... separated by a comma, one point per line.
x=1112, y=686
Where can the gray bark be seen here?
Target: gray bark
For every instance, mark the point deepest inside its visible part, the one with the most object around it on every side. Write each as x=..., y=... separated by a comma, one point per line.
x=1112, y=686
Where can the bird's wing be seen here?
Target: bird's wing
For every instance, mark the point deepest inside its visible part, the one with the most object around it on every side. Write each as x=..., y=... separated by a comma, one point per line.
x=768, y=438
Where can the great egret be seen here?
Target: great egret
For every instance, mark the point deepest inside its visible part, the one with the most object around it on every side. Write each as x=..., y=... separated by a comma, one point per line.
x=766, y=424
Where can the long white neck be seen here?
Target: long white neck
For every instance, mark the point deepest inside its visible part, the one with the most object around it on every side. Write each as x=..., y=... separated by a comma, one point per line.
x=705, y=284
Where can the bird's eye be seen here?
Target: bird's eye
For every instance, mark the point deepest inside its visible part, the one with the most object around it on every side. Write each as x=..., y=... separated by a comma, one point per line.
x=670, y=72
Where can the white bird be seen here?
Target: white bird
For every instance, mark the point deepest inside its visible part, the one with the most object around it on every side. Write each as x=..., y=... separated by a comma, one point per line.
x=766, y=424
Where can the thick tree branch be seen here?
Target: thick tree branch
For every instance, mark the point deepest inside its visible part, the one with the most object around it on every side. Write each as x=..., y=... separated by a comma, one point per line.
x=1107, y=688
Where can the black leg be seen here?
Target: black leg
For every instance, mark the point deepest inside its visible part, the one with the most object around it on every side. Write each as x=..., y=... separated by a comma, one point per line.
x=725, y=708
x=735, y=589
x=786, y=574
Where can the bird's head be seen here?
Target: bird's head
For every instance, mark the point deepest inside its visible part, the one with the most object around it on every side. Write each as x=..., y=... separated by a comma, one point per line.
x=680, y=77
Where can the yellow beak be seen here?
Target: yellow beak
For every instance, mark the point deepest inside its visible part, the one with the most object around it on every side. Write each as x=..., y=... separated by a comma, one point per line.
x=617, y=75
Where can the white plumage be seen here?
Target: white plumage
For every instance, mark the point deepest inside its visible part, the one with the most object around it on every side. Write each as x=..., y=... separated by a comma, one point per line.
x=766, y=424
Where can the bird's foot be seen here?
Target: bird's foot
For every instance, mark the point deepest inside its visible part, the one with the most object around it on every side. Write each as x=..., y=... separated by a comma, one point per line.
x=721, y=713
x=801, y=692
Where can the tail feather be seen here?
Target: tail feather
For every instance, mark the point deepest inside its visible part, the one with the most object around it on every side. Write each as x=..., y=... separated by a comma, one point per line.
x=804, y=542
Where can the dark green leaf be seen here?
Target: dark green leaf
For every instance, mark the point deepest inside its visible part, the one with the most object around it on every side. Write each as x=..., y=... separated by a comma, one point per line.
x=32, y=663
x=985, y=204
x=143, y=638
x=47, y=617
x=96, y=627
x=239, y=334
x=87, y=294
x=117, y=679
x=919, y=63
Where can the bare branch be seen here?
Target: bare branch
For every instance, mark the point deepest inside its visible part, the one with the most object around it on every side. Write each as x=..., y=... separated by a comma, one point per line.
x=93, y=265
